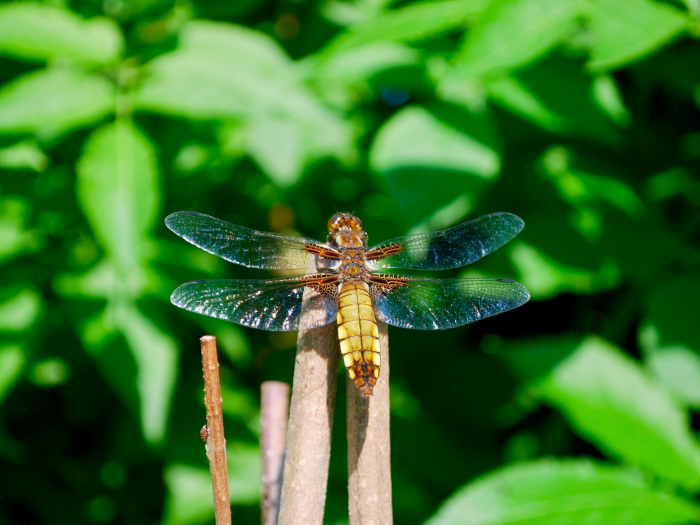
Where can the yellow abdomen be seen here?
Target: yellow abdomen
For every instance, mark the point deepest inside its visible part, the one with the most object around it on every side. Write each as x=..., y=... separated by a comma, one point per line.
x=359, y=337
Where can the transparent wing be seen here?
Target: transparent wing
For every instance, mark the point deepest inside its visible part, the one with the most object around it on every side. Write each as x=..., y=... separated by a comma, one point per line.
x=437, y=304
x=268, y=304
x=452, y=248
x=244, y=246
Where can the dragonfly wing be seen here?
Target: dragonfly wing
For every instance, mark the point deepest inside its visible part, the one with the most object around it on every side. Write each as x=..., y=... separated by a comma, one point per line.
x=437, y=304
x=452, y=248
x=268, y=304
x=244, y=246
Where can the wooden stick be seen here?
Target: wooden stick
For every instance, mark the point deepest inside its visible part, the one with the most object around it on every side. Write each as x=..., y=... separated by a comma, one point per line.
x=215, y=440
x=310, y=423
x=369, y=448
x=274, y=412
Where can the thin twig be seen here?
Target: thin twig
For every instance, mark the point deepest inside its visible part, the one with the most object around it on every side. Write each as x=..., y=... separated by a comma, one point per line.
x=310, y=423
x=369, y=448
x=274, y=412
x=215, y=440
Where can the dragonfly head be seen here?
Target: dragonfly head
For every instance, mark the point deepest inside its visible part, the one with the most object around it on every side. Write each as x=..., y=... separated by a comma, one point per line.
x=346, y=230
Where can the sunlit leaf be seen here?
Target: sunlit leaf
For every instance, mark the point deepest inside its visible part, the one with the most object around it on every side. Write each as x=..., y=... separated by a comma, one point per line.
x=610, y=401
x=156, y=357
x=408, y=24
x=623, y=32
x=670, y=339
x=23, y=155
x=43, y=32
x=221, y=71
x=52, y=101
x=555, y=96
x=12, y=359
x=118, y=190
x=190, y=497
x=19, y=311
x=563, y=492
x=438, y=159
x=510, y=34
x=545, y=277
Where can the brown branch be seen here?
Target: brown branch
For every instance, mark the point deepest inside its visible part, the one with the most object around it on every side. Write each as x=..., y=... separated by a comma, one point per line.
x=215, y=440
x=310, y=423
x=274, y=411
x=369, y=447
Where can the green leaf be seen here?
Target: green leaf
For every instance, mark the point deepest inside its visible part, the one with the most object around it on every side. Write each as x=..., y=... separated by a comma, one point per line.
x=555, y=96
x=568, y=492
x=623, y=32
x=408, y=24
x=119, y=191
x=15, y=238
x=544, y=276
x=12, y=359
x=42, y=32
x=23, y=155
x=52, y=101
x=20, y=311
x=513, y=33
x=610, y=401
x=436, y=160
x=678, y=369
x=156, y=355
x=190, y=499
x=221, y=71
x=670, y=339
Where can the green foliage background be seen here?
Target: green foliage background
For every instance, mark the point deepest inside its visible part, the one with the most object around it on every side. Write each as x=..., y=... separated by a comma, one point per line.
x=580, y=116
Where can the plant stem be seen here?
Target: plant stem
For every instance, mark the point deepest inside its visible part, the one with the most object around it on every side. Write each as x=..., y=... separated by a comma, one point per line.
x=274, y=412
x=310, y=424
x=369, y=448
x=215, y=442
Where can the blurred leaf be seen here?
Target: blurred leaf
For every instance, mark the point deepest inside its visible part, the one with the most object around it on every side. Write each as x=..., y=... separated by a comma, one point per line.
x=43, y=32
x=512, y=33
x=20, y=311
x=671, y=312
x=221, y=71
x=362, y=63
x=156, y=357
x=512, y=94
x=678, y=369
x=563, y=492
x=190, y=499
x=670, y=339
x=556, y=97
x=532, y=358
x=15, y=239
x=546, y=277
x=277, y=146
x=12, y=359
x=671, y=182
x=408, y=24
x=610, y=400
x=118, y=190
x=52, y=101
x=436, y=162
x=23, y=155
x=623, y=32
x=607, y=96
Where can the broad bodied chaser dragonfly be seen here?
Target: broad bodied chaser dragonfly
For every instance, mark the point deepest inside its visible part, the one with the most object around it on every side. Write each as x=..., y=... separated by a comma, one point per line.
x=349, y=285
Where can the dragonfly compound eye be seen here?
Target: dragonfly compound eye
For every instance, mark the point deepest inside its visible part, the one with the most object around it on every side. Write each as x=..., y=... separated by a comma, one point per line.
x=344, y=221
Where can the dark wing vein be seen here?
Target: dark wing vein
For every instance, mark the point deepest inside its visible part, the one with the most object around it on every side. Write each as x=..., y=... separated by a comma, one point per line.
x=451, y=248
x=437, y=304
x=268, y=304
x=241, y=245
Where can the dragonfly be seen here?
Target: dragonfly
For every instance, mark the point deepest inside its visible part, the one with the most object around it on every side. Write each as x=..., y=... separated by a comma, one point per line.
x=350, y=284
